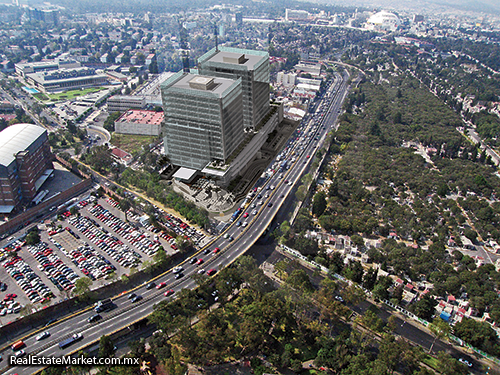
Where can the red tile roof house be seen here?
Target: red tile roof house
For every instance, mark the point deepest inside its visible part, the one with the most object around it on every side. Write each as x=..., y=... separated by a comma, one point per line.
x=122, y=156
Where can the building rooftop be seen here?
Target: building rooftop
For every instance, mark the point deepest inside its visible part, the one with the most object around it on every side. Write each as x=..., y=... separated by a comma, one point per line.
x=17, y=138
x=184, y=173
x=142, y=117
x=194, y=82
x=240, y=57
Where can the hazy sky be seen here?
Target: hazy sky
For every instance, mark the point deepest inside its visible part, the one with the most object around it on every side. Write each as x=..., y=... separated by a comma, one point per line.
x=426, y=6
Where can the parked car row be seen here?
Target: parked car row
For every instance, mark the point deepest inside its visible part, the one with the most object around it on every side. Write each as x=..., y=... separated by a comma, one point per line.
x=182, y=229
x=114, y=248
x=34, y=288
x=62, y=276
x=16, y=245
x=132, y=235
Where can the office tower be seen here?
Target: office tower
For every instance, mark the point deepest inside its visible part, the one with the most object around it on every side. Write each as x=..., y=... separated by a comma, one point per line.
x=253, y=69
x=203, y=119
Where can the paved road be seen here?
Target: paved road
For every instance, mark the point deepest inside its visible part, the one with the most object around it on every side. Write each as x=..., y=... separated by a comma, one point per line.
x=238, y=241
x=405, y=328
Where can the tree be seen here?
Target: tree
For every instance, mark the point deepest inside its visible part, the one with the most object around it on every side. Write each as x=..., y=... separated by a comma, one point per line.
x=358, y=241
x=160, y=347
x=301, y=192
x=440, y=329
x=33, y=237
x=424, y=307
x=354, y=271
x=82, y=287
x=106, y=347
x=137, y=348
x=298, y=279
x=370, y=278
x=125, y=205
x=319, y=204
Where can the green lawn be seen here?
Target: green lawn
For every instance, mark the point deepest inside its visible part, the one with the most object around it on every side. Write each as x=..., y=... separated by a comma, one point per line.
x=66, y=95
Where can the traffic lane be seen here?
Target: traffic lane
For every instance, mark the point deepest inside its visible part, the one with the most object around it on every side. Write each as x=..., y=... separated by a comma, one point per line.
x=219, y=260
x=406, y=329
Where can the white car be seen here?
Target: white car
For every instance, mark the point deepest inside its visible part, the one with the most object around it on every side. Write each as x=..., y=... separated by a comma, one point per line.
x=42, y=336
x=178, y=269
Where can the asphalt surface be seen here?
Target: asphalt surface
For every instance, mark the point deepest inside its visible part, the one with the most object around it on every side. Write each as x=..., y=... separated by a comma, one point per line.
x=238, y=241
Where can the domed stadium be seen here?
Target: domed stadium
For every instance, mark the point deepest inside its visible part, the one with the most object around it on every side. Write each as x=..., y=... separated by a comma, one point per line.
x=383, y=21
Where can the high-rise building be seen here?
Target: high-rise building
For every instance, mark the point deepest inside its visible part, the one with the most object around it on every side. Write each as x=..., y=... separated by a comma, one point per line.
x=203, y=119
x=253, y=69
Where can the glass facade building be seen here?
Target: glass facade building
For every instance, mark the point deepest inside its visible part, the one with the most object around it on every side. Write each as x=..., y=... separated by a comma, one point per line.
x=203, y=119
x=252, y=67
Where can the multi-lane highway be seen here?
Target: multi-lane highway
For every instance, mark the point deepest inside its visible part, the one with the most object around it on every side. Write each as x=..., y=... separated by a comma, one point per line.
x=255, y=217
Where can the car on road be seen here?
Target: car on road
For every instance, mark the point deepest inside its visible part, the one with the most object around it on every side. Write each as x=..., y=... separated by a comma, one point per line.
x=19, y=354
x=211, y=272
x=132, y=295
x=161, y=285
x=193, y=260
x=269, y=204
x=178, y=269
x=245, y=215
x=199, y=262
x=179, y=276
x=230, y=238
x=53, y=320
x=94, y=318
x=136, y=299
x=151, y=285
x=216, y=250
x=201, y=271
x=42, y=336
x=169, y=292
x=465, y=362
x=207, y=251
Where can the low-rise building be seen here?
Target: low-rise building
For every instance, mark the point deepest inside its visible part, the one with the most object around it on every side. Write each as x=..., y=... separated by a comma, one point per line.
x=139, y=122
x=66, y=79
x=122, y=103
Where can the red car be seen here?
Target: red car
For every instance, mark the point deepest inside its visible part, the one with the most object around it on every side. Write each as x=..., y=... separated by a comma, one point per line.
x=199, y=261
x=11, y=295
x=211, y=272
x=169, y=292
x=161, y=285
x=245, y=214
x=216, y=250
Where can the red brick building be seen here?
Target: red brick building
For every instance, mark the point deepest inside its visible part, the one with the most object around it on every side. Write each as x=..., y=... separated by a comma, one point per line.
x=25, y=164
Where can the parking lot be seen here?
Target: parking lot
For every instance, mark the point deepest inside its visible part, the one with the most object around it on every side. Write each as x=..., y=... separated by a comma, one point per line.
x=95, y=243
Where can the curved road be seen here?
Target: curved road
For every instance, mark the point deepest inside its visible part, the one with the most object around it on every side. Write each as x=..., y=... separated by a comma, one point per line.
x=298, y=152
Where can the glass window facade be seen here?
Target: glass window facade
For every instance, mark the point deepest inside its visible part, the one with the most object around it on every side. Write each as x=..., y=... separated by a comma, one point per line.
x=201, y=125
x=253, y=71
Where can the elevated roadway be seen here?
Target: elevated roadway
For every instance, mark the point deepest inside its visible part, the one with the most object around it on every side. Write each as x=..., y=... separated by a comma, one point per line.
x=234, y=242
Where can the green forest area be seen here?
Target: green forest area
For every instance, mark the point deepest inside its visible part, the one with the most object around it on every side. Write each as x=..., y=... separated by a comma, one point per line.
x=382, y=186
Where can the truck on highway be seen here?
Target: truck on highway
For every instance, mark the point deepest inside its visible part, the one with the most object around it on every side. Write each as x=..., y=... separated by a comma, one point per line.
x=65, y=343
x=236, y=214
x=104, y=305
